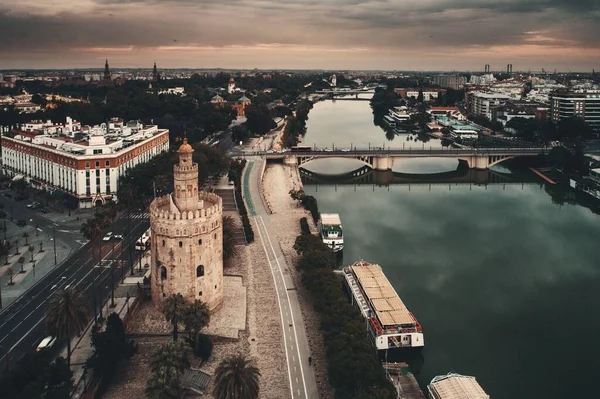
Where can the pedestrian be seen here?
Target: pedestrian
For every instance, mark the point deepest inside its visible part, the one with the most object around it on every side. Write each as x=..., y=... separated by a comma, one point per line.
x=309, y=360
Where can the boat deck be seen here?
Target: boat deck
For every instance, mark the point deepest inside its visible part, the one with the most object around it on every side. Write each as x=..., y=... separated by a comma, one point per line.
x=389, y=308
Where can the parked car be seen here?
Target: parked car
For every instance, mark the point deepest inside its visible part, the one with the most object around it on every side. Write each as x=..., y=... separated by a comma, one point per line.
x=21, y=222
x=108, y=236
x=46, y=343
x=43, y=210
x=34, y=205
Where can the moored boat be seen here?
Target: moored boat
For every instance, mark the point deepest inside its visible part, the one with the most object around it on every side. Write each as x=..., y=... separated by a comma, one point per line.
x=330, y=230
x=389, y=323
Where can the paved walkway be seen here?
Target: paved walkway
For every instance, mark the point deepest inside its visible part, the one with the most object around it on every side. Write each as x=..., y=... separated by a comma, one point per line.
x=301, y=376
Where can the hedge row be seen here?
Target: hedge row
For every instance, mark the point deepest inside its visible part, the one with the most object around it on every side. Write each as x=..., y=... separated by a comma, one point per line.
x=235, y=175
x=352, y=364
x=304, y=228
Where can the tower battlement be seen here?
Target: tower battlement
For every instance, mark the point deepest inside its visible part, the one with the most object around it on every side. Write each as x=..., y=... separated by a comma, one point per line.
x=208, y=205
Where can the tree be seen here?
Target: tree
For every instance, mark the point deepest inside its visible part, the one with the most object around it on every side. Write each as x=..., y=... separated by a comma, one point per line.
x=196, y=316
x=21, y=261
x=36, y=376
x=174, y=307
x=161, y=182
x=308, y=242
x=572, y=129
x=229, y=246
x=31, y=250
x=67, y=315
x=10, y=272
x=420, y=96
x=110, y=347
x=26, y=236
x=236, y=378
x=259, y=119
x=168, y=363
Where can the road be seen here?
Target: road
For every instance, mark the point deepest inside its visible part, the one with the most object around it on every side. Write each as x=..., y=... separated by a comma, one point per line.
x=22, y=323
x=301, y=375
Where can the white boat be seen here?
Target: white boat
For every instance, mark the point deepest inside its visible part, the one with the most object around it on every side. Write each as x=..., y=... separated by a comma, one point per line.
x=389, y=323
x=330, y=230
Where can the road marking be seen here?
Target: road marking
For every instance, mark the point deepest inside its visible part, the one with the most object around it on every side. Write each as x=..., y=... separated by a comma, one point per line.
x=22, y=338
x=290, y=306
x=287, y=359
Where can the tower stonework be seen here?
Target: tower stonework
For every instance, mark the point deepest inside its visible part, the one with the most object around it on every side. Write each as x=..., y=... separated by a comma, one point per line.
x=187, y=238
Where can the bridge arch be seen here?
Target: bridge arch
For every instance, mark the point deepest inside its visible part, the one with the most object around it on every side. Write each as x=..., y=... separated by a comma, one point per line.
x=364, y=159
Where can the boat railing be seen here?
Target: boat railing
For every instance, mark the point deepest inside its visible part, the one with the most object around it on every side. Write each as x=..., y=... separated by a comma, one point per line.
x=364, y=307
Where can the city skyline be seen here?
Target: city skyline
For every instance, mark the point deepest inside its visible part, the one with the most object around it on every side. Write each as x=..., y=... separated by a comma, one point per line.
x=438, y=35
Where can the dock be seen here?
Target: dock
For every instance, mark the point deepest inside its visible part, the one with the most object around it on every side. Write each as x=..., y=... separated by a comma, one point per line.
x=403, y=380
x=543, y=176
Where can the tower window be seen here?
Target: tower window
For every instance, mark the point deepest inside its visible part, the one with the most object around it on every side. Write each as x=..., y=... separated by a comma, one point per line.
x=163, y=273
x=200, y=242
x=180, y=244
x=163, y=243
x=200, y=293
x=200, y=271
x=215, y=236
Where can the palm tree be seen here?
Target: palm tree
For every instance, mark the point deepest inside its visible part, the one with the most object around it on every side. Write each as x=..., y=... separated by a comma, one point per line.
x=26, y=236
x=160, y=183
x=67, y=315
x=196, y=317
x=174, y=310
x=236, y=378
x=168, y=363
x=229, y=247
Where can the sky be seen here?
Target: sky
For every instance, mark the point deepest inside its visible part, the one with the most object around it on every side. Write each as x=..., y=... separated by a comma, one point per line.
x=441, y=35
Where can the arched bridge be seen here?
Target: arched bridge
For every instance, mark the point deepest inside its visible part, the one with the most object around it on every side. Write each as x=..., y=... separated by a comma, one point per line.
x=382, y=159
x=366, y=175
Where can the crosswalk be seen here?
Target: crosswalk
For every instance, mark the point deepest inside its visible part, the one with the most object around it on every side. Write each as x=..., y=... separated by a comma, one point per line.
x=144, y=215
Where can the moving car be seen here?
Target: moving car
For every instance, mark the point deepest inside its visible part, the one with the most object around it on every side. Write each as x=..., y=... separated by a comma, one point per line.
x=118, y=236
x=46, y=343
x=108, y=236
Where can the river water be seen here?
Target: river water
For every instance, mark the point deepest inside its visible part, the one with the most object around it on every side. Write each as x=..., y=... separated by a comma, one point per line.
x=504, y=281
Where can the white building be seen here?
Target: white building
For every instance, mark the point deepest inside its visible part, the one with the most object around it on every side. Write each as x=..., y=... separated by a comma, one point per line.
x=333, y=80
x=483, y=103
x=173, y=90
x=87, y=169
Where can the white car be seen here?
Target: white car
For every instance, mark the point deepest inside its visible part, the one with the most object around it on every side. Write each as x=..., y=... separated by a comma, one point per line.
x=108, y=236
x=46, y=343
x=118, y=236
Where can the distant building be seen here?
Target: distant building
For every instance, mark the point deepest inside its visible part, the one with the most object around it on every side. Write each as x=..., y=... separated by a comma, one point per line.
x=582, y=103
x=453, y=81
x=217, y=101
x=428, y=94
x=85, y=164
x=155, y=75
x=180, y=91
x=518, y=109
x=480, y=103
x=240, y=106
x=27, y=108
x=106, y=71
x=231, y=86
x=455, y=386
x=333, y=80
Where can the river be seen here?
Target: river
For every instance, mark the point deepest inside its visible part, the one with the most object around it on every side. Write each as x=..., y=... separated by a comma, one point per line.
x=504, y=281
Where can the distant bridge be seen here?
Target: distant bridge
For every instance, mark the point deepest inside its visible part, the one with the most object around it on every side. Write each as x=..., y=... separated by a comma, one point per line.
x=382, y=159
x=368, y=176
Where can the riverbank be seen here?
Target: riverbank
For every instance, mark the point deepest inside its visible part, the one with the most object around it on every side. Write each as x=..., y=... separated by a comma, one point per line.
x=278, y=181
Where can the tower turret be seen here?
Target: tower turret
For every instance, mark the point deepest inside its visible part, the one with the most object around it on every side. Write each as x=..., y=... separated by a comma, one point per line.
x=154, y=73
x=185, y=174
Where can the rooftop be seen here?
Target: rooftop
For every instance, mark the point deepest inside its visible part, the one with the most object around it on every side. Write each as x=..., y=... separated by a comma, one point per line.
x=330, y=218
x=387, y=304
x=456, y=386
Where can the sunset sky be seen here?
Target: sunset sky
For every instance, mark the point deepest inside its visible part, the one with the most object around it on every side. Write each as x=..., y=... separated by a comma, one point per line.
x=302, y=34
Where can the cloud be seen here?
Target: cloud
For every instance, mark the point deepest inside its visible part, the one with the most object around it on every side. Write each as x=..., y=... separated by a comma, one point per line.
x=386, y=29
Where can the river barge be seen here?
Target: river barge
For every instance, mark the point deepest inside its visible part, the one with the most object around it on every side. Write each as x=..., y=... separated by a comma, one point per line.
x=330, y=230
x=389, y=323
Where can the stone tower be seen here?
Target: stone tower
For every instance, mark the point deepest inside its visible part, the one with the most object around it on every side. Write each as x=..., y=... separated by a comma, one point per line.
x=155, y=76
x=106, y=71
x=187, y=238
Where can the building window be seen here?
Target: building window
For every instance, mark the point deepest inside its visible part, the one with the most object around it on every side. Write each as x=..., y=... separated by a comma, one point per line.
x=97, y=164
x=163, y=273
x=200, y=293
x=97, y=152
x=200, y=271
x=200, y=242
x=215, y=236
x=163, y=243
x=107, y=172
x=107, y=163
x=87, y=164
x=215, y=286
x=87, y=173
x=180, y=244
x=97, y=173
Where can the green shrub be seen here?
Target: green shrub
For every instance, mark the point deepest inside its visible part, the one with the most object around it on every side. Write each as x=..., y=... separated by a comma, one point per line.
x=304, y=228
x=204, y=347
